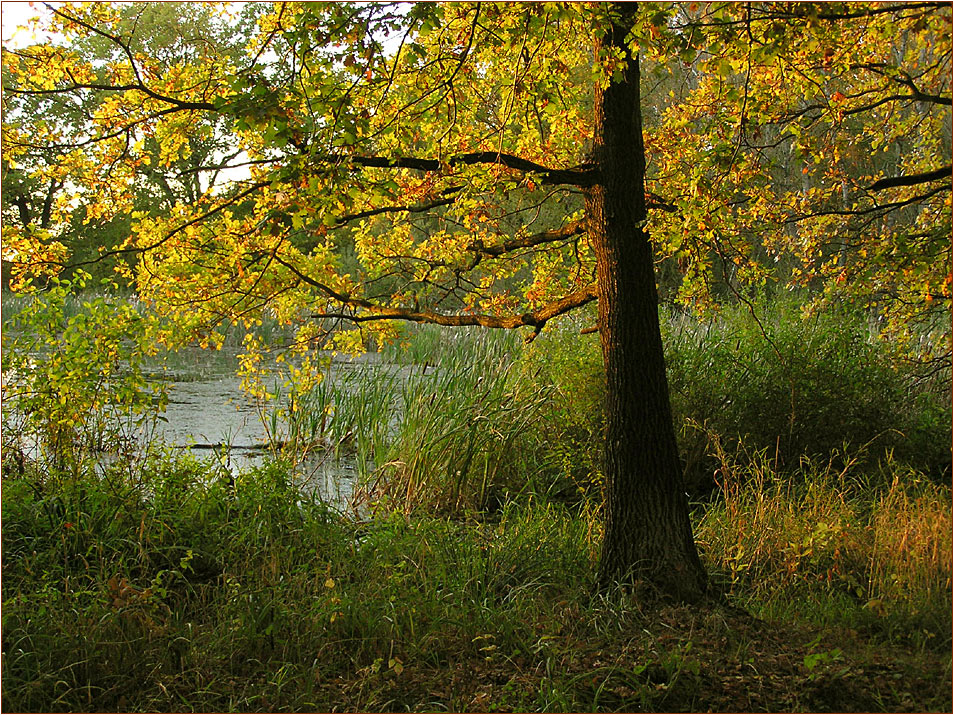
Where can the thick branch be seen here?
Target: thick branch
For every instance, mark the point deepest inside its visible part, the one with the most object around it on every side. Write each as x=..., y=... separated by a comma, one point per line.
x=411, y=208
x=872, y=210
x=535, y=318
x=824, y=107
x=23, y=205
x=851, y=14
x=575, y=177
x=912, y=180
x=178, y=104
x=901, y=77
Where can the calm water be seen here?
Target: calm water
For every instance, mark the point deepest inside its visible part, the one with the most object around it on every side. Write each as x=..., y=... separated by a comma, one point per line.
x=215, y=418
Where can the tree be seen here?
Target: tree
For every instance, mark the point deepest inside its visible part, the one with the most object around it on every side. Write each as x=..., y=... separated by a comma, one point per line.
x=445, y=164
x=332, y=127
x=647, y=521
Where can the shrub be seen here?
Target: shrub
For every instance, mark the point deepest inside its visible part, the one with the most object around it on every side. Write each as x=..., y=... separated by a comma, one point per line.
x=795, y=386
x=569, y=434
x=76, y=380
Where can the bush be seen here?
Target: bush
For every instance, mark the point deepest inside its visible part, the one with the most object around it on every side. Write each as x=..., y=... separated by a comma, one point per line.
x=799, y=387
x=76, y=381
x=788, y=385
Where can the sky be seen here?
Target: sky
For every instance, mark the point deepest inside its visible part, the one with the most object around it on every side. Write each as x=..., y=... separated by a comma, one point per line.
x=13, y=14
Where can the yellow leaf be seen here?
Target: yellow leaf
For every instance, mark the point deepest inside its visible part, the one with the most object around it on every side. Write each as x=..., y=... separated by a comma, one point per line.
x=877, y=607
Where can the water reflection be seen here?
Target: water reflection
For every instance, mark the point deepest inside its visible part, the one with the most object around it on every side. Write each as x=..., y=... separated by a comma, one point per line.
x=215, y=417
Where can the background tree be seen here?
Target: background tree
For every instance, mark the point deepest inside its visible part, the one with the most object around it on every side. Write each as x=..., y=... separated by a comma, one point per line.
x=48, y=148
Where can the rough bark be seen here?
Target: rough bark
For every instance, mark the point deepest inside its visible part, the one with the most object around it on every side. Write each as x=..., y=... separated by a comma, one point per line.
x=648, y=537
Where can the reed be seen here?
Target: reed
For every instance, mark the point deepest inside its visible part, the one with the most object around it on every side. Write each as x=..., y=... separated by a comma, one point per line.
x=834, y=544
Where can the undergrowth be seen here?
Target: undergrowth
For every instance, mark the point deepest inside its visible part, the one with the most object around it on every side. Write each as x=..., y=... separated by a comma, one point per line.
x=466, y=581
x=201, y=591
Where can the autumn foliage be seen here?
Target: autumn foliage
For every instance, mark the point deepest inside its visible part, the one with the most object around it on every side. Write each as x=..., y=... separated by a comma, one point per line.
x=425, y=162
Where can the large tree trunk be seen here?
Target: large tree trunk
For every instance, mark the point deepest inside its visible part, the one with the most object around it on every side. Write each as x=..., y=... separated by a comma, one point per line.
x=648, y=537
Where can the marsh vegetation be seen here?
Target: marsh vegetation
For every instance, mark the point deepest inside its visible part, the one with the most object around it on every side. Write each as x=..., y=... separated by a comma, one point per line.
x=458, y=574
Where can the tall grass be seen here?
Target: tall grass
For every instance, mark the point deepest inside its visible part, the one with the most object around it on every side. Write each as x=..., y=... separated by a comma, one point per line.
x=444, y=434
x=473, y=416
x=199, y=592
x=834, y=544
x=236, y=595
x=459, y=438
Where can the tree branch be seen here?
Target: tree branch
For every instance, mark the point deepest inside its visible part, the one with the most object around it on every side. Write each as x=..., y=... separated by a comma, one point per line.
x=559, y=234
x=413, y=208
x=872, y=210
x=178, y=229
x=912, y=180
x=535, y=318
x=848, y=14
x=904, y=79
x=574, y=176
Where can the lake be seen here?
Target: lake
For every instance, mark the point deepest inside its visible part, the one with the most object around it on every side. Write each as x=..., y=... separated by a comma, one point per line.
x=213, y=417
x=209, y=415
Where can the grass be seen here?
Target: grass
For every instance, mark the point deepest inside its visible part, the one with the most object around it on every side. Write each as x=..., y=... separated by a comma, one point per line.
x=836, y=547
x=219, y=595
x=448, y=435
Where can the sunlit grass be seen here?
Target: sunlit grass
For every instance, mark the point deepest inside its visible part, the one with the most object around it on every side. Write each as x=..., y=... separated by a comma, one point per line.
x=835, y=546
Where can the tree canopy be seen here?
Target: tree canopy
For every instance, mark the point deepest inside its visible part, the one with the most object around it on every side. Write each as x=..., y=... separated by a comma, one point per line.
x=426, y=162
